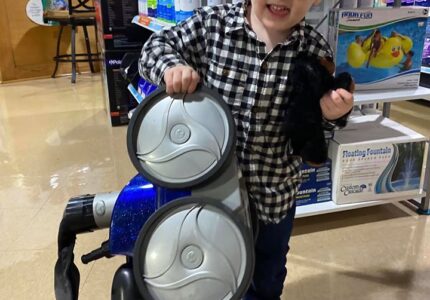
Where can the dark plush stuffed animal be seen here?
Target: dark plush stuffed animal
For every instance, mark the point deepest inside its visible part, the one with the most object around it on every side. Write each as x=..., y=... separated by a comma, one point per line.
x=311, y=78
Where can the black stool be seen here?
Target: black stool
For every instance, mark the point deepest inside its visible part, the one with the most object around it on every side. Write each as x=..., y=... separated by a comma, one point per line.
x=80, y=13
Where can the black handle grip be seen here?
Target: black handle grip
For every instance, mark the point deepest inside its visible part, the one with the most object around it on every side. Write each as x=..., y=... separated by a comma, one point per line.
x=98, y=253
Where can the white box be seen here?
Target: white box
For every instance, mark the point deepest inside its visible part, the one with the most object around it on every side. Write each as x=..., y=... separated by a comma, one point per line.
x=375, y=158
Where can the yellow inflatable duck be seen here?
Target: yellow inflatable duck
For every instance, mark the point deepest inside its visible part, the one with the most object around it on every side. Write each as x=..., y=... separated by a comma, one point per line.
x=390, y=53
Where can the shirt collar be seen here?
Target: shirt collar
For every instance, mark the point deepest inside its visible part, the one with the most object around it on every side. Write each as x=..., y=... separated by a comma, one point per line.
x=236, y=20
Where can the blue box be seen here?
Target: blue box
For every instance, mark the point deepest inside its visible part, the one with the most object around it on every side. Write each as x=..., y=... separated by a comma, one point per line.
x=316, y=186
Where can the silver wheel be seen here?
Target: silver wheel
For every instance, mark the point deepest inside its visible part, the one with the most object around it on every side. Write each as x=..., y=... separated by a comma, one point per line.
x=193, y=249
x=182, y=140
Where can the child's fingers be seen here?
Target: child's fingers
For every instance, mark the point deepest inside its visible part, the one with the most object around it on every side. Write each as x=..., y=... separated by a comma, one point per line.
x=186, y=79
x=346, y=97
x=177, y=81
x=181, y=79
x=168, y=80
x=334, y=100
x=195, y=79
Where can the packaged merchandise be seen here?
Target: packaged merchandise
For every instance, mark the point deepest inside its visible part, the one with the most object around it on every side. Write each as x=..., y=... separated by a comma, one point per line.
x=375, y=158
x=152, y=8
x=145, y=88
x=426, y=52
x=404, y=2
x=185, y=8
x=118, y=100
x=114, y=28
x=143, y=7
x=316, y=185
x=425, y=3
x=380, y=47
x=166, y=10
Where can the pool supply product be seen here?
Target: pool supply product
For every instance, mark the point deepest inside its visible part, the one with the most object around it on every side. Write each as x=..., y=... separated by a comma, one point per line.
x=185, y=8
x=316, y=185
x=425, y=3
x=375, y=158
x=403, y=2
x=183, y=224
x=143, y=7
x=152, y=8
x=380, y=47
x=166, y=11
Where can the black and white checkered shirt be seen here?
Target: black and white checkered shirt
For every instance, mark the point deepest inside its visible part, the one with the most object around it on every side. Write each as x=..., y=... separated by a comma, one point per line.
x=219, y=43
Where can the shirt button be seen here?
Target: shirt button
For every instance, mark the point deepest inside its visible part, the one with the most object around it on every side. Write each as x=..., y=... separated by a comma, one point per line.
x=264, y=66
x=225, y=72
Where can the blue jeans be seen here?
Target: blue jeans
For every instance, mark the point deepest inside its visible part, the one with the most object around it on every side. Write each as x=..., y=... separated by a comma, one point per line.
x=271, y=250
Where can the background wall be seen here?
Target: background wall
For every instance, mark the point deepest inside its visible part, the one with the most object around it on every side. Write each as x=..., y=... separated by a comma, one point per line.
x=27, y=49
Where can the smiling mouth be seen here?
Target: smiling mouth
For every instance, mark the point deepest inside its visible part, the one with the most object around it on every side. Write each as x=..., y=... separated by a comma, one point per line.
x=278, y=10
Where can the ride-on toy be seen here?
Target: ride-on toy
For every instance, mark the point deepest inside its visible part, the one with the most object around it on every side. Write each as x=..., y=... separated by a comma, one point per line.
x=183, y=223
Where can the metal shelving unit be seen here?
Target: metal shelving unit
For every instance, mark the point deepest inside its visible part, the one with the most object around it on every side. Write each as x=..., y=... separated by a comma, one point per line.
x=422, y=200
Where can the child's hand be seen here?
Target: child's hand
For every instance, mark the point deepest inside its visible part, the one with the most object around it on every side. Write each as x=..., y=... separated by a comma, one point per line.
x=181, y=79
x=335, y=104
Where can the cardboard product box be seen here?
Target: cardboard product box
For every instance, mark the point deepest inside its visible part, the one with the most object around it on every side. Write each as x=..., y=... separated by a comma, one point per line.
x=316, y=186
x=119, y=101
x=375, y=158
x=114, y=28
x=380, y=47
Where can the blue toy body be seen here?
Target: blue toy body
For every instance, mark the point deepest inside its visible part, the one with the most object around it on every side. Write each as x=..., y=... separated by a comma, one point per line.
x=136, y=203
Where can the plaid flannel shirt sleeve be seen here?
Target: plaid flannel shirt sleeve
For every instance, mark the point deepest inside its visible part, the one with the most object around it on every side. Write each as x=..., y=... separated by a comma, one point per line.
x=183, y=44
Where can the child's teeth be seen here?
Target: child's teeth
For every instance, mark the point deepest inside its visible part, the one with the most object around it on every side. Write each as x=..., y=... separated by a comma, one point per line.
x=279, y=8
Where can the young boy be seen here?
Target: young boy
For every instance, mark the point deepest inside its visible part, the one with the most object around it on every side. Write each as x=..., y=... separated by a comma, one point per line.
x=244, y=51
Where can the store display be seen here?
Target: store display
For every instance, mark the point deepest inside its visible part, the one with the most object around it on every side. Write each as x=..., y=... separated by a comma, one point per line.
x=142, y=7
x=154, y=14
x=115, y=30
x=426, y=51
x=381, y=47
x=375, y=158
x=185, y=8
x=316, y=185
x=118, y=99
x=403, y=2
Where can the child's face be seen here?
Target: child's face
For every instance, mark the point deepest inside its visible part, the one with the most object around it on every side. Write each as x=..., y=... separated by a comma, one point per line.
x=281, y=15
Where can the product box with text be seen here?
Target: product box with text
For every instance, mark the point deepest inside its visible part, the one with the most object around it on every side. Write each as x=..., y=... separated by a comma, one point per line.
x=380, y=47
x=375, y=158
x=316, y=185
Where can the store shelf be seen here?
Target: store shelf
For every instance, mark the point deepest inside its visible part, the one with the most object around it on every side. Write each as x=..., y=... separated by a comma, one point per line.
x=425, y=70
x=330, y=206
x=150, y=23
x=393, y=95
